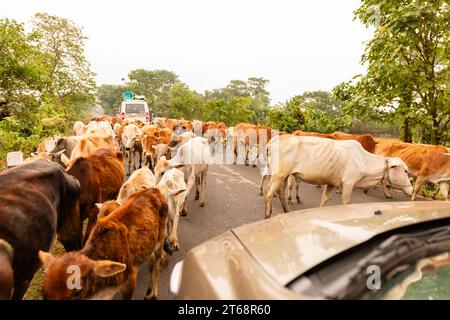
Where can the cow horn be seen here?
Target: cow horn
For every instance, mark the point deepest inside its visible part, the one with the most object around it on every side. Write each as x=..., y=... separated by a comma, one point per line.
x=9, y=249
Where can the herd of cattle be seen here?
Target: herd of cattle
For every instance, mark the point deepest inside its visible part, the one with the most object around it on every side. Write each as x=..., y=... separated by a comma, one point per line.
x=133, y=222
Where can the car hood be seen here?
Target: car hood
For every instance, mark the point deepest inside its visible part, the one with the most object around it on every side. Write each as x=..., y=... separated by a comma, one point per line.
x=287, y=245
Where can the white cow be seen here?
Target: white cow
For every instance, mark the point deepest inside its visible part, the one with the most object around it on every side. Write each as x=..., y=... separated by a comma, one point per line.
x=79, y=128
x=333, y=163
x=139, y=180
x=131, y=140
x=174, y=188
x=192, y=158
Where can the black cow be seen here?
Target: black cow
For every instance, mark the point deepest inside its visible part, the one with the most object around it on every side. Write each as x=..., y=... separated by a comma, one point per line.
x=38, y=201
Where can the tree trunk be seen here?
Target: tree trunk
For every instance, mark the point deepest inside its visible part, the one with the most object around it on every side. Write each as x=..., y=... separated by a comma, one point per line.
x=407, y=135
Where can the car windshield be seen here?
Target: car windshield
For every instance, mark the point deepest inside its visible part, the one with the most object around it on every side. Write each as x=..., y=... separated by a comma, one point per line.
x=428, y=279
x=134, y=108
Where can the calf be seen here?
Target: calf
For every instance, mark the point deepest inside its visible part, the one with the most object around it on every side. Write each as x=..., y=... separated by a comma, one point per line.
x=139, y=180
x=121, y=242
x=173, y=186
x=101, y=175
x=37, y=202
x=332, y=163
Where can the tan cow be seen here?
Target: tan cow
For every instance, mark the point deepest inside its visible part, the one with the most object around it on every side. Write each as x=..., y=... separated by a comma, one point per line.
x=425, y=163
x=248, y=136
x=87, y=145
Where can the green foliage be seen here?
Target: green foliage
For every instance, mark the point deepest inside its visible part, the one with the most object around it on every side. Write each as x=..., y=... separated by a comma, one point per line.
x=110, y=97
x=45, y=81
x=184, y=103
x=230, y=112
x=254, y=88
x=316, y=111
x=154, y=85
x=408, y=67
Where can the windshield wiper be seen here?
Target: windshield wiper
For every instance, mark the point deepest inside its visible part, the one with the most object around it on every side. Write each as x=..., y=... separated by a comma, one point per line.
x=397, y=250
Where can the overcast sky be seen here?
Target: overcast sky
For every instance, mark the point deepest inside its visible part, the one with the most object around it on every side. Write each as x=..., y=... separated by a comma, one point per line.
x=299, y=45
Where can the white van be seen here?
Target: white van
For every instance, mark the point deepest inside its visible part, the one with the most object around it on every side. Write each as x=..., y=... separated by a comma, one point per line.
x=136, y=109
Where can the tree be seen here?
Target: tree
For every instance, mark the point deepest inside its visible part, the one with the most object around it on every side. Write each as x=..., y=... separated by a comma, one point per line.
x=21, y=64
x=154, y=85
x=62, y=42
x=408, y=63
x=254, y=88
x=110, y=97
x=230, y=112
x=316, y=111
x=184, y=103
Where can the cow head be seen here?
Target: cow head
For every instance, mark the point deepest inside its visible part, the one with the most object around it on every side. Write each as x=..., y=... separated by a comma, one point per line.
x=396, y=174
x=66, y=276
x=106, y=208
x=6, y=270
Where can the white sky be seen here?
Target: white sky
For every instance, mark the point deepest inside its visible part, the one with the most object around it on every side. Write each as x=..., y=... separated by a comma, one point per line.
x=299, y=45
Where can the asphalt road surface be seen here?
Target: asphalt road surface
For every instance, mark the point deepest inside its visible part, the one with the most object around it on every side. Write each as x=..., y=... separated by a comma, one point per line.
x=232, y=200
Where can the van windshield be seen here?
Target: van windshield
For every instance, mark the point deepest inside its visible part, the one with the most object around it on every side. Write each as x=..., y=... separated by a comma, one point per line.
x=134, y=108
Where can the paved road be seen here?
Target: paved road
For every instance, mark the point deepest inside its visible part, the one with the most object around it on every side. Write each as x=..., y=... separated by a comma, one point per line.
x=232, y=200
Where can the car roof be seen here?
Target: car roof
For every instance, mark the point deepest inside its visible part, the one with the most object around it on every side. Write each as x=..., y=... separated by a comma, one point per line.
x=288, y=245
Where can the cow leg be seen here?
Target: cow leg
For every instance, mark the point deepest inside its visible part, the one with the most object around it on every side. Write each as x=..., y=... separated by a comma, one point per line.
x=347, y=189
x=261, y=185
x=417, y=187
x=197, y=186
x=290, y=184
x=297, y=190
x=326, y=194
x=184, y=210
x=274, y=185
x=155, y=269
x=173, y=238
x=246, y=154
x=93, y=212
x=281, y=194
x=130, y=285
x=203, y=188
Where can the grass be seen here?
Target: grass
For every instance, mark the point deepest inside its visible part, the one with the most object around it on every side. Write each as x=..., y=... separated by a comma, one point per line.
x=34, y=291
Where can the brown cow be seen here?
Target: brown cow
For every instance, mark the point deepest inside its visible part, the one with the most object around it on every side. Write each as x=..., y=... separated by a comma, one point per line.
x=37, y=202
x=150, y=138
x=367, y=141
x=130, y=236
x=425, y=163
x=249, y=135
x=101, y=175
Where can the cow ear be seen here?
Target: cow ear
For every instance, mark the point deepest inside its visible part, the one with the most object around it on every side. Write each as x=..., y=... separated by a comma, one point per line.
x=64, y=159
x=394, y=166
x=46, y=257
x=107, y=268
x=99, y=205
x=175, y=193
x=179, y=166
